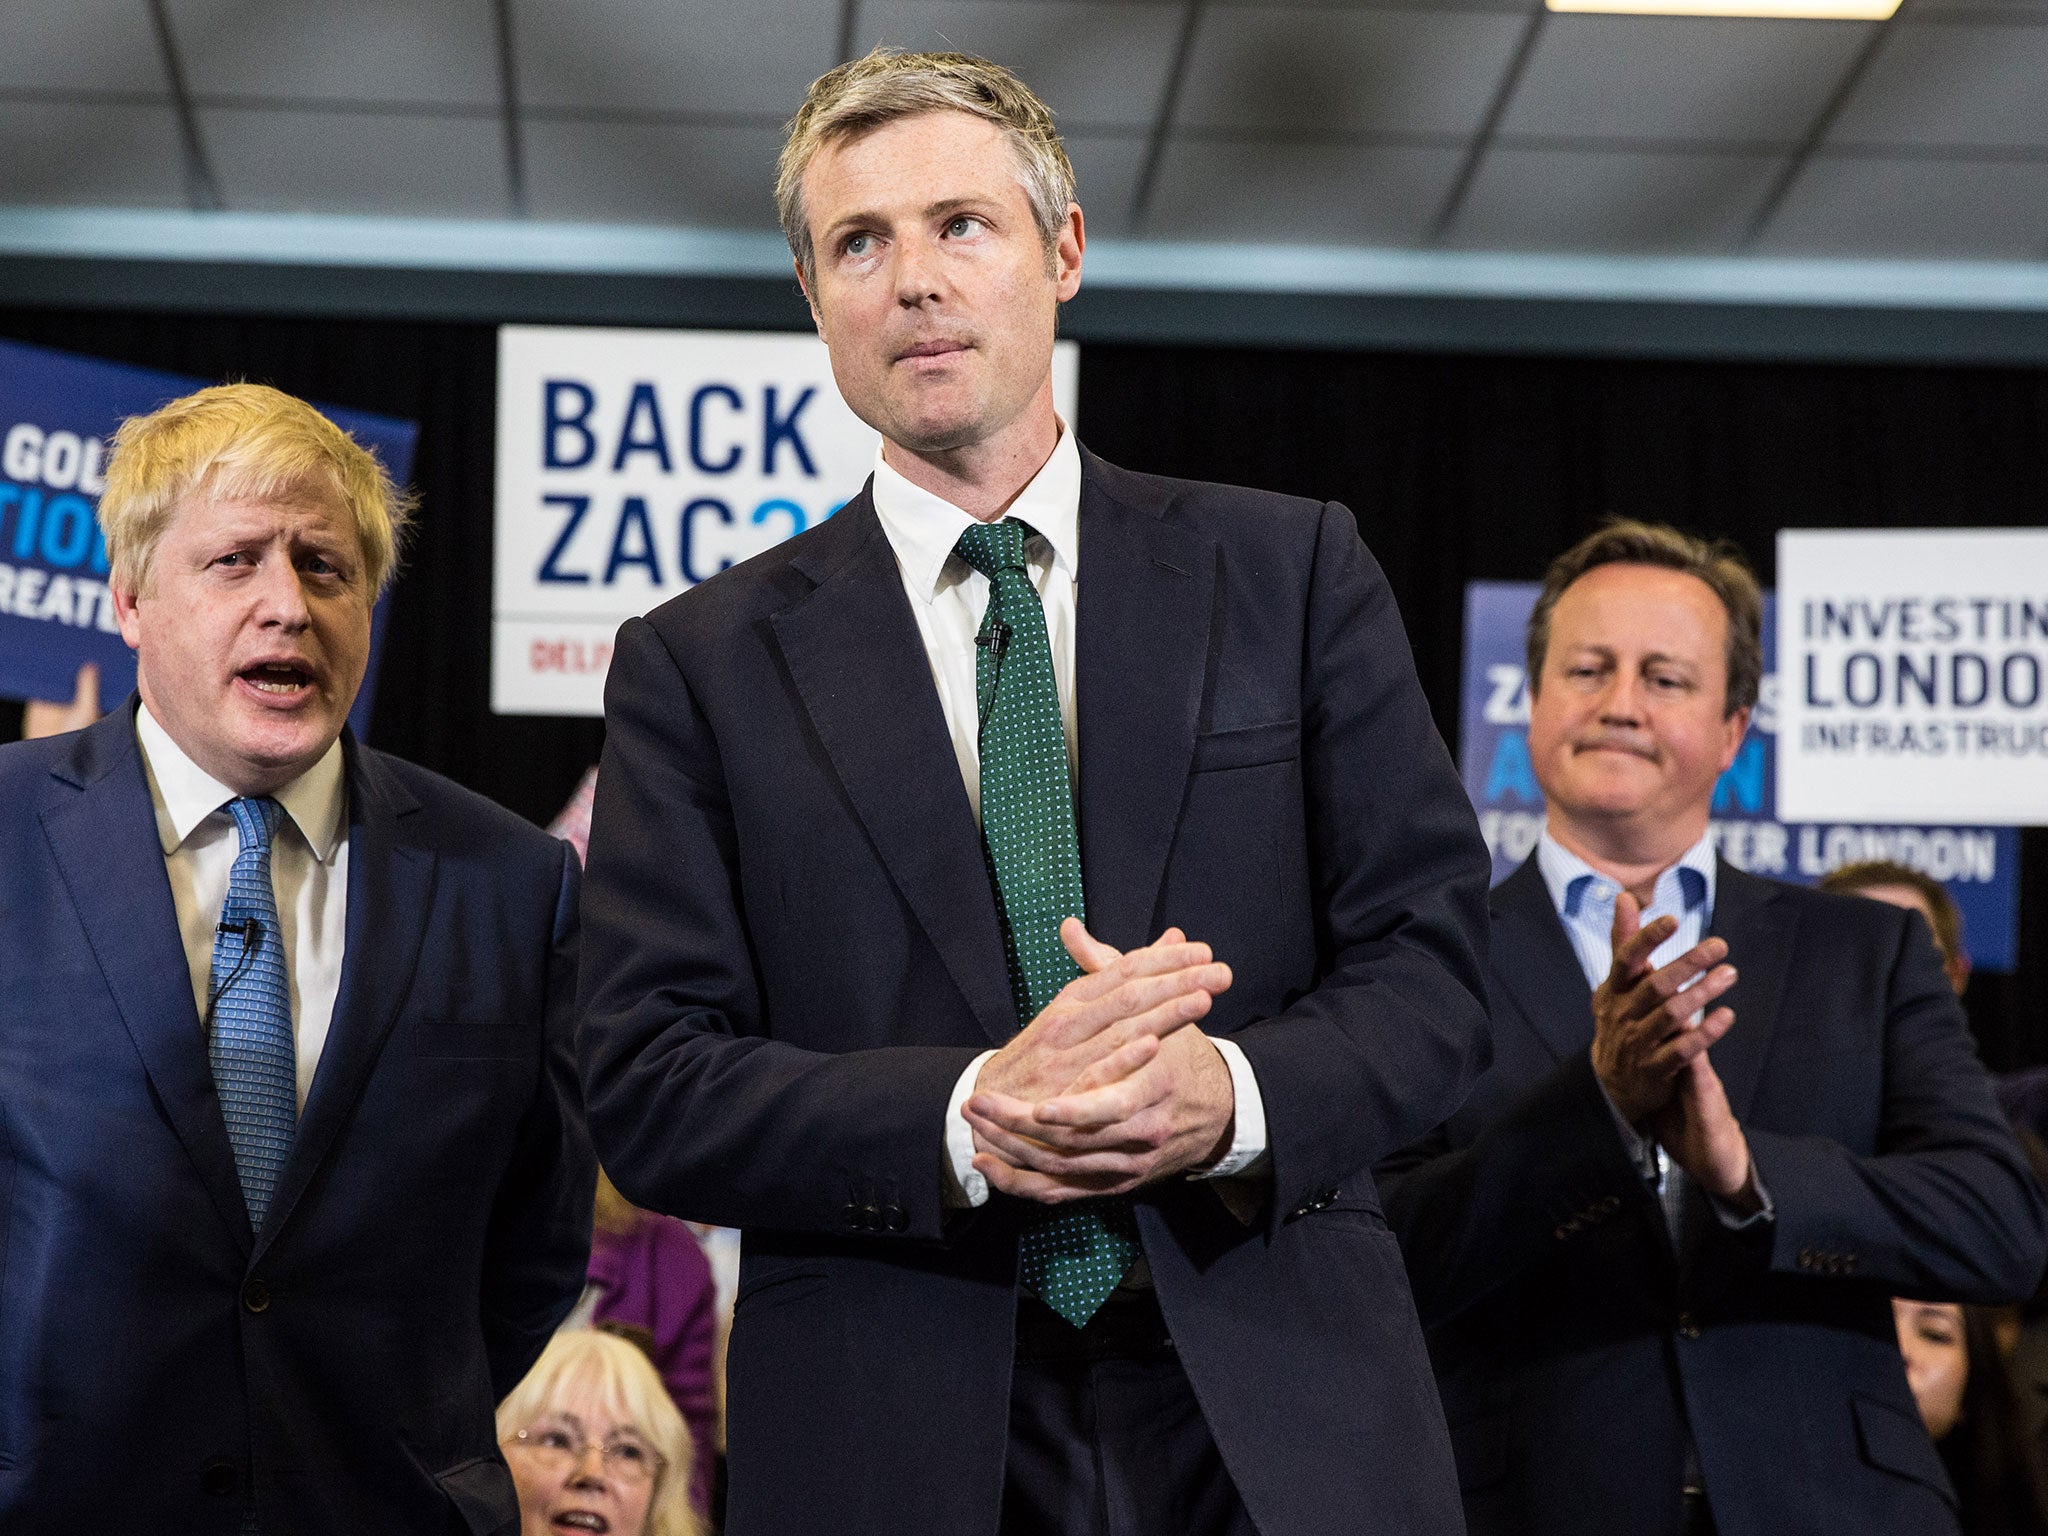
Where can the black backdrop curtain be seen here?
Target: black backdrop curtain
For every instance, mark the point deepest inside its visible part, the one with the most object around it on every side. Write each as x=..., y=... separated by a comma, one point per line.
x=1459, y=468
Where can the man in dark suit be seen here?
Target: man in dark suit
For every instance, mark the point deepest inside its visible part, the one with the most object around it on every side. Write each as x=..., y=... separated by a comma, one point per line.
x=293, y=1178
x=1106, y=1272
x=1726, y=1120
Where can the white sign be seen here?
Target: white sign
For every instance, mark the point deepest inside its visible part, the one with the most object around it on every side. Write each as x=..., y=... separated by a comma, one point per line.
x=1914, y=676
x=633, y=464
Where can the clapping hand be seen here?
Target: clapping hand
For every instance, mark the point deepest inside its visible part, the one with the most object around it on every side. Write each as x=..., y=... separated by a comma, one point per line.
x=1108, y=1088
x=1651, y=1034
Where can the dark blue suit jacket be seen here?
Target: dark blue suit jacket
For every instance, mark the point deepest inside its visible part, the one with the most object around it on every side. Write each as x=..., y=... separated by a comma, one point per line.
x=1573, y=1341
x=426, y=1235
x=793, y=952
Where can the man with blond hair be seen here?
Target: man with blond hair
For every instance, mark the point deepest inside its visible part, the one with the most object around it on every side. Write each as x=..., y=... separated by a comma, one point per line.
x=293, y=1179
x=912, y=874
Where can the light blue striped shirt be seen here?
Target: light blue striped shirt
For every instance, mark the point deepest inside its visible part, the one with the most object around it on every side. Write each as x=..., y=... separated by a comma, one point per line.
x=1584, y=899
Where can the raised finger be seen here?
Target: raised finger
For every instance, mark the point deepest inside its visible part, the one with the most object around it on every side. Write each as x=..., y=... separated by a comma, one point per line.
x=1634, y=951
x=1679, y=1010
x=1683, y=1045
x=1679, y=975
x=1089, y=952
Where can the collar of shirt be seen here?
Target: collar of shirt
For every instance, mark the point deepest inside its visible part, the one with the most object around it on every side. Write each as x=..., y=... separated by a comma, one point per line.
x=187, y=794
x=923, y=528
x=1579, y=891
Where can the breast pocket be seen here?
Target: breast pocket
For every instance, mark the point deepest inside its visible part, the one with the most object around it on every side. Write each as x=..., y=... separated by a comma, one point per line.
x=1248, y=746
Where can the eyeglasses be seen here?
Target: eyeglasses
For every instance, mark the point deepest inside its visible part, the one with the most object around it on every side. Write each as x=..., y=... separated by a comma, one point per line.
x=559, y=1446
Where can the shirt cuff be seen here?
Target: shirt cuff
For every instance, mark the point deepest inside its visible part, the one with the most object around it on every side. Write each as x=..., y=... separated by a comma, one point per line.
x=962, y=1188
x=1641, y=1150
x=1248, y=1124
x=1736, y=1219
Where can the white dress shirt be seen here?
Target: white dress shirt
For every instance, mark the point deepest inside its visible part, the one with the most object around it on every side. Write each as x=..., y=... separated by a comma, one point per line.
x=948, y=598
x=308, y=872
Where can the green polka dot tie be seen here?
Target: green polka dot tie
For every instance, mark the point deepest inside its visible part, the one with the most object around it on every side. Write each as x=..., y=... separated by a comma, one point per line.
x=1072, y=1256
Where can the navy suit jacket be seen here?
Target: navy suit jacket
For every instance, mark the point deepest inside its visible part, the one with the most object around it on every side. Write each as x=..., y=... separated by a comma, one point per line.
x=429, y=1228
x=1574, y=1342
x=793, y=952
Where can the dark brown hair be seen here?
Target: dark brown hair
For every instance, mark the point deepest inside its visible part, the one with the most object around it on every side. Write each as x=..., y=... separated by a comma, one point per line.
x=1623, y=541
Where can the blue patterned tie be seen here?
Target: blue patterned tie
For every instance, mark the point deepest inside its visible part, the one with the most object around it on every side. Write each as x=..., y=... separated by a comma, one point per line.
x=1071, y=1257
x=255, y=1068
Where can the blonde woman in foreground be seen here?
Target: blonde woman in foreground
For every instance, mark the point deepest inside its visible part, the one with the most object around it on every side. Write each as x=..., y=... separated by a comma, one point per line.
x=595, y=1444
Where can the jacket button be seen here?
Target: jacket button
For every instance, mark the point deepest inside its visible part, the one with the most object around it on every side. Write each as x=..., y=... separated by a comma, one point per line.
x=256, y=1296
x=1687, y=1328
x=895, y=1218
x=871, y=1218
x=220, y=1478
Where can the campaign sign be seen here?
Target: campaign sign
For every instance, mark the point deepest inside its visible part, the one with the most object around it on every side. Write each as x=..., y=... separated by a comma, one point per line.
x=1917, y=676
x=633, y=464
x=1979, y=865
x=58, y=414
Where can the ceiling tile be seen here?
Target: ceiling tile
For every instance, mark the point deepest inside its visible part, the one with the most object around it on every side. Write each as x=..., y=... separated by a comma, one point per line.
x=93, y=45
x=1952, y=85
x=1319, y=71
x=1298, y=193
x=618, y=173
x=1619, y=202
x=1668, y=78
x=443, y=51
x=1844, y=206
x=357, y=162
x=99, y=155
x=673, y=55
x=1106, y=178
x=1092, y=63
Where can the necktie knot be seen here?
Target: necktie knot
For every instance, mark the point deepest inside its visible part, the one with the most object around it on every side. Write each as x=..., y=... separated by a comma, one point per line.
x=256, y=820
x=994, y=547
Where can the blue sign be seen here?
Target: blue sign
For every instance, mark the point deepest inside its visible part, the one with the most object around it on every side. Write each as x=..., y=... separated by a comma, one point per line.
x=1980, y=866
x=58, y=414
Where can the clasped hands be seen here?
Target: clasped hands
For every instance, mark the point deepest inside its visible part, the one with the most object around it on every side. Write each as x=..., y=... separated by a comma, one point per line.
x=1651, y=1033
x=1108, y=1088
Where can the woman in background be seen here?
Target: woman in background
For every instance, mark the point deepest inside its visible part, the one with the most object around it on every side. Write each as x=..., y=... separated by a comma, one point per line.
x=649, y=1280
x=1959, y=1379
x=595, y=1444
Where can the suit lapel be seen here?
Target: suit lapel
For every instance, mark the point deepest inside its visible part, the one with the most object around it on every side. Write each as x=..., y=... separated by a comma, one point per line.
x=857, y=661
x=106, y=846
x=1145, y=599
x=390, y=890
x=1543, y=976
x=1761, y=937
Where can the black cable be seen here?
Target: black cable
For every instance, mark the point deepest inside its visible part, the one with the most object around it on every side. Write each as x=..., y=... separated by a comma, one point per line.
x=252, y=935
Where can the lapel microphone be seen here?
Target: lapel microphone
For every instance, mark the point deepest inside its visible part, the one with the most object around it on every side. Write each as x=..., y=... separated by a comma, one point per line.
x=251, y=932
x=249, y=928
x=997, y=637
